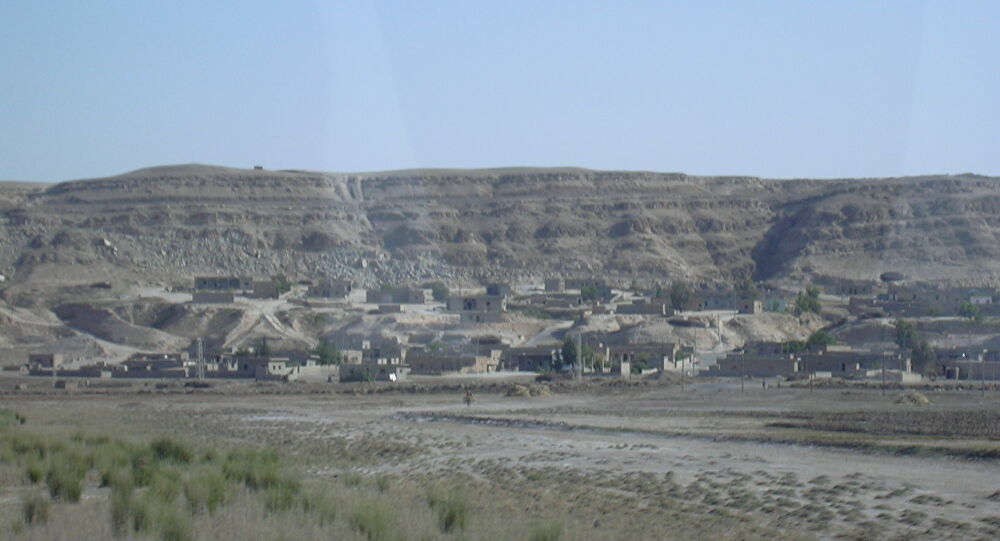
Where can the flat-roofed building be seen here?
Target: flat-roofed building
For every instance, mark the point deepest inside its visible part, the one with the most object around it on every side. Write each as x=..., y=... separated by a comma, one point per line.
x=477, y=303
x=223, y=283
x=337, y=289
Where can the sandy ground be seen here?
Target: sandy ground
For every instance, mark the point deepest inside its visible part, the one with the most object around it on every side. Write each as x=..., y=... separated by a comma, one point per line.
x=599, y=433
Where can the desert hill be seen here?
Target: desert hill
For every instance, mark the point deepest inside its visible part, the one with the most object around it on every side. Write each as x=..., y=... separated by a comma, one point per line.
x=164, y=224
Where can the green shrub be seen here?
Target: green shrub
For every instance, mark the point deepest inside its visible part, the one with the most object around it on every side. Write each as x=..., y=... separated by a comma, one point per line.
x=121, y=504
x=34, y=470
x=205, y=490
x=353, y=480
x=142, y=514
x=382, y=483
x=317, y=503
x=143, y=467
x=175, y=525
x=110, y=457
x=28, y=445
x=121, y=479
x=9, y=418
x=282, y=495
x=169, y=450
x=371, y=519
x=451, y=509
x=99, y=441
x=7, y=454
x=549, y=532
x=35, y=508
x=256, y=469
x=80, y=458
x=166, y=484
x=64, y=479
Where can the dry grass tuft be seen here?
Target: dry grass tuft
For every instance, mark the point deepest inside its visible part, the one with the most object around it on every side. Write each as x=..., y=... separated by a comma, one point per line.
x=913, y=399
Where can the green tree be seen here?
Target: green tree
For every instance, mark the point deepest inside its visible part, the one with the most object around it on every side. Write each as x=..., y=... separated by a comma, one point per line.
x=747, y=289
x=281, y=283
x=906, y=334
x=569, y=353
x=640, y=364
x=970, y=311
x=439, y=290
x=793, y=346
x=263, y=350
x=589, y=293
x=327, y=354
x=808, y=301
x=680, y=295
x=436, y=346
x=820, y=338
x=923, y=356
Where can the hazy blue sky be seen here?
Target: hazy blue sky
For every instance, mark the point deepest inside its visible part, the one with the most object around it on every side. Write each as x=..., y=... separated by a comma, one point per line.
x=781, y=89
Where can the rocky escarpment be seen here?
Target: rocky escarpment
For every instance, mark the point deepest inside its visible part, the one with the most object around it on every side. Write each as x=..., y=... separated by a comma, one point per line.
x=165, y=224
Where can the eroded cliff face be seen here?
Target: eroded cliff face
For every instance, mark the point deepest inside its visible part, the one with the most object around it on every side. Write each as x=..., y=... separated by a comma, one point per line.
x=166, y=224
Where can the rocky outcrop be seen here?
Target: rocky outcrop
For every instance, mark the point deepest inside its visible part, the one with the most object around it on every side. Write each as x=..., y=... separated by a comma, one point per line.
x=165, y=224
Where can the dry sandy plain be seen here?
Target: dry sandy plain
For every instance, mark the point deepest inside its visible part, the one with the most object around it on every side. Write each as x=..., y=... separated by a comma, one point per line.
x=596, y=461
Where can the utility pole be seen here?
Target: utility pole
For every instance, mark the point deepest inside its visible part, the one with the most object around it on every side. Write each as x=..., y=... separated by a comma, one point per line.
x=883, y=373
x=810, y=381
x=682, y=374
x=579, y=356
x=743, y=377
x=694, y=351
x=201, y=360
x=982, y=373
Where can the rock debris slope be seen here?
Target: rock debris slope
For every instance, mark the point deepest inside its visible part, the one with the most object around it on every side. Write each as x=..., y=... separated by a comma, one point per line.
x=165, y=224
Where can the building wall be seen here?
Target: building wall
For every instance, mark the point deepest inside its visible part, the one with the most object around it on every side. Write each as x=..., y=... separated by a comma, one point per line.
x=223, y=283
x=46, y=360
x=499, y=290
x=213, y=297
x=764, y=360
x=265, y=289
x=971, y=370
x=477, y=303
x=556, y=300
x=337, y=289
x=750, y=306
x=847, y=362
x=363, y=372
x=645, y=308
x=532, y=359
x=152, y=373
x=399, y=296
x=657, y=356
x=439, y=363
x=469, y=318
x=579, y=283
x=757, y=366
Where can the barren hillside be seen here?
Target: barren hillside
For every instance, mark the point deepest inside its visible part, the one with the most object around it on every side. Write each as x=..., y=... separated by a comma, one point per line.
x=164, y=224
